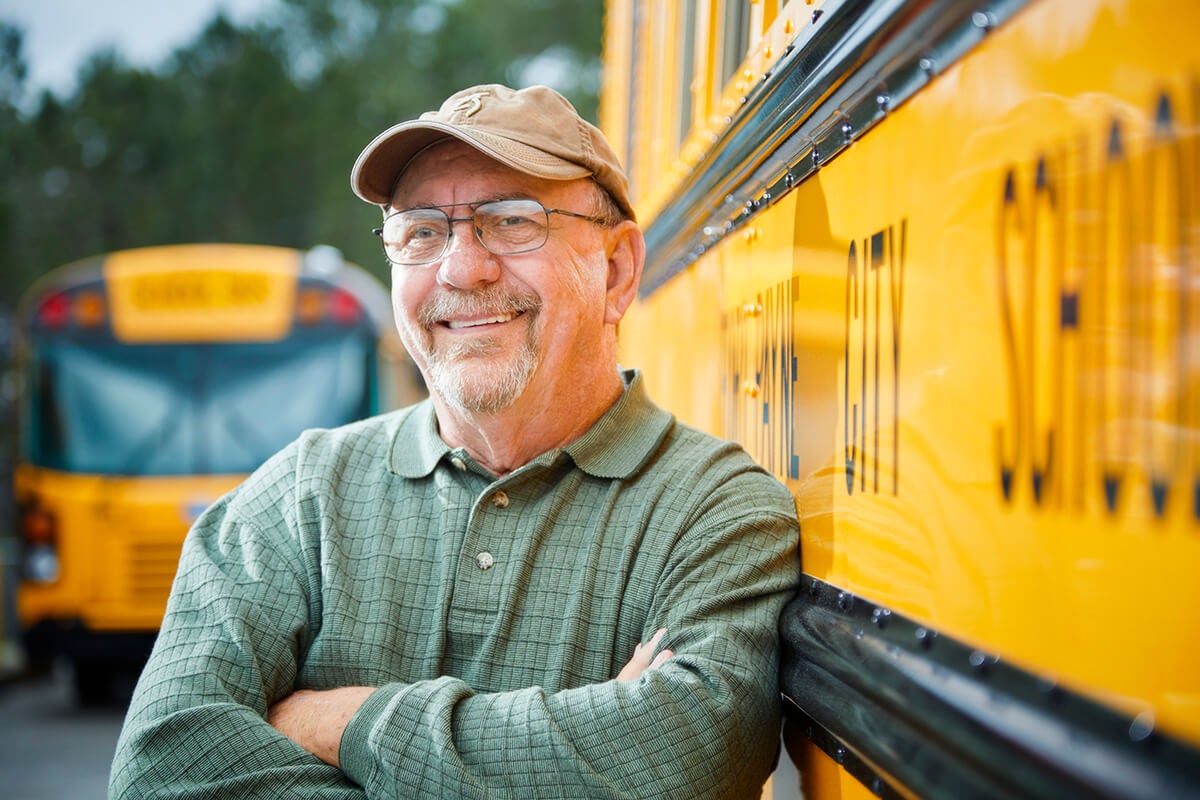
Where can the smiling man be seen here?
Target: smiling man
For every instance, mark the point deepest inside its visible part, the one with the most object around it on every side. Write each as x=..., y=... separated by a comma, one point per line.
x=534, y=584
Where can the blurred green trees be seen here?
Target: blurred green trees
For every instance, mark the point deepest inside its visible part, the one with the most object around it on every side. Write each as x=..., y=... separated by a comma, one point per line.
x=248, y=134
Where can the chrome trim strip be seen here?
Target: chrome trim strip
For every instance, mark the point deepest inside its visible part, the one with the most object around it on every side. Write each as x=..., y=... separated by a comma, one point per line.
x=842, y=75
x=932, y=716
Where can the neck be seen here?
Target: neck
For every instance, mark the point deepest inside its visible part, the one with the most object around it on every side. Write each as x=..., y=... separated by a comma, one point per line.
x=536, y=422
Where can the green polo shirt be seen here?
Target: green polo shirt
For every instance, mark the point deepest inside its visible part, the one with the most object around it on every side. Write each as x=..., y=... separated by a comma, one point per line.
x=492, y=612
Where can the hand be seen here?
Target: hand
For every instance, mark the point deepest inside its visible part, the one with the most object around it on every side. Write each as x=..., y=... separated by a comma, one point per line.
x=315, y=720
x=642, y=655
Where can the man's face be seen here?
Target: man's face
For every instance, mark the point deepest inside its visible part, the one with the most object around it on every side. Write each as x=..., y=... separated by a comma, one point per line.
x=485, y=329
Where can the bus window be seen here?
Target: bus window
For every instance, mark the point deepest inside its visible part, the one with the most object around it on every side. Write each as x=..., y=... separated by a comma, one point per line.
x=735, y=41
x=687, y=73
x=181, y=409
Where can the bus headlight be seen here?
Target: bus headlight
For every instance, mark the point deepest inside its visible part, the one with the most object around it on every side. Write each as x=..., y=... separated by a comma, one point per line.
x=39, y=534
x=41, y=564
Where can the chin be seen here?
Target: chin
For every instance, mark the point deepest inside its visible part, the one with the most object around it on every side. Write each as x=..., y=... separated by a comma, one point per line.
x=483, y=388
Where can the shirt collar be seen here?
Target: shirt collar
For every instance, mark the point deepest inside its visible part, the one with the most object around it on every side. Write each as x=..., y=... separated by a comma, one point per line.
x=416, y=446
x=616, y=446
x=626, y=436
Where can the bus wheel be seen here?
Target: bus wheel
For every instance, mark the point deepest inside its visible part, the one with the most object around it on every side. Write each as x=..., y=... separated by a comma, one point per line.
x=93, y=683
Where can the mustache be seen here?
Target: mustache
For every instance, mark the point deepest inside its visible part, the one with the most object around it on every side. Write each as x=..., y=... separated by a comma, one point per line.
x=491, y=300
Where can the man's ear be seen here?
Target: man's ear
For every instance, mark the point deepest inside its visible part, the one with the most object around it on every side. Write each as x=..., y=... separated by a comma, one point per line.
x=626, y=257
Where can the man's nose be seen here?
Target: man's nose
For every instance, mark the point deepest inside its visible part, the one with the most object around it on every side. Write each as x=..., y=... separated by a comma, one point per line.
x=466, y=262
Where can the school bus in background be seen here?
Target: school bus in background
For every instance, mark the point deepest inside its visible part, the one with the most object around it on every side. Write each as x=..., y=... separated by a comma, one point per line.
x=935, y=264
x=151, y=381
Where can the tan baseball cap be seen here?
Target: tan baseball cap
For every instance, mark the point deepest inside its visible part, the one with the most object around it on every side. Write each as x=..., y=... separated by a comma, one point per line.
x=535, y=130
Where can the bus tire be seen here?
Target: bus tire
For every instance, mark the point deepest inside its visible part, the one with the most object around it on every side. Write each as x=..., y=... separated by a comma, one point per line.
x=93, y=683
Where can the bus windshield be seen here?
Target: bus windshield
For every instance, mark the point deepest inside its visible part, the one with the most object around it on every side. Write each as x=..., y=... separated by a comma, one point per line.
x=221, y=408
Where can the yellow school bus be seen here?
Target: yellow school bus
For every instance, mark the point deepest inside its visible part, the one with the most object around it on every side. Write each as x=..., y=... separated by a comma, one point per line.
x=936, y=264
x=150, y=382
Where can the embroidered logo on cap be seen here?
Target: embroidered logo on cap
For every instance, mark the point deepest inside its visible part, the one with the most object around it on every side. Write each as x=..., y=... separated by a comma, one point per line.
x=469, y=105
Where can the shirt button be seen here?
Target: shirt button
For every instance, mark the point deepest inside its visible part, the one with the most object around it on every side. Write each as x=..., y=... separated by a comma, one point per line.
x=484, y=560
x=500, y=500
x=458, y=463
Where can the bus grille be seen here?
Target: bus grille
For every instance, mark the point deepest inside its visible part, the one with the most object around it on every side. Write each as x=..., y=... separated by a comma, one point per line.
x=152, y=567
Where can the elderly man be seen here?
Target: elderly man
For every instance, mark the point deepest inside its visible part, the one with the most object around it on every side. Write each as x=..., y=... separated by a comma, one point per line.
x=534, y=584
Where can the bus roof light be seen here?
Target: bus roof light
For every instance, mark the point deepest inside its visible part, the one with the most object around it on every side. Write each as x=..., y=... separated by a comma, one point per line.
x=55, y=310
x=310, y=306
x=343, y=307
x=90, y=310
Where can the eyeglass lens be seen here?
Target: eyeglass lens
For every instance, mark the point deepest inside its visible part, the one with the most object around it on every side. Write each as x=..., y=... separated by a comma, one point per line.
x=504, y=227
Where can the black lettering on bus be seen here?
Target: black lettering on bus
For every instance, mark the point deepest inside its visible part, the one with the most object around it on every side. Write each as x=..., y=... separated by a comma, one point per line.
x=759, y=377
x=1009, y=439
x=1166, y=344
x=1190, y=322
x=896, y=283
x=871, y=381
x=1114, y=332
x=850, y=412
x=1046, y=261
x=1099, y=316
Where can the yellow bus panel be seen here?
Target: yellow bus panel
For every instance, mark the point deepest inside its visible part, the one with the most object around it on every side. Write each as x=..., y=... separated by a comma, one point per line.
x=965, y=338
x=174, y=295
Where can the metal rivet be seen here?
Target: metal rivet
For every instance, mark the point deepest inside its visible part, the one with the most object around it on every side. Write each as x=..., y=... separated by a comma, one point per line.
x=880, y=617
x=882, y=101
x=983, y=20
x=978, y=661
x=816, y=15
x=925, y=637
x=1141, y=727
x=926, y=64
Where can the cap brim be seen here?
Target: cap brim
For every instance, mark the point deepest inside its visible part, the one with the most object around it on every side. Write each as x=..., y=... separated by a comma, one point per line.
x=383, y=160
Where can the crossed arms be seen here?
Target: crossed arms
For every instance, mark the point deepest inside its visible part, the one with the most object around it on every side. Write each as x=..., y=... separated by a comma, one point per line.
x=257, y=689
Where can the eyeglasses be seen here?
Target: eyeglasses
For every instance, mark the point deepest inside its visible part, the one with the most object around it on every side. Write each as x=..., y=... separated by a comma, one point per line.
x=504, y=227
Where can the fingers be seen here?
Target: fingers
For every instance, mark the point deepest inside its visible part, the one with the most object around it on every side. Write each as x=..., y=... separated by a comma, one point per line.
x=659, y=659
x=644, y=658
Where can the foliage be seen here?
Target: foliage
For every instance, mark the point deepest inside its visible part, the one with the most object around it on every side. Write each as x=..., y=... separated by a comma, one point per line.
x=247, y=134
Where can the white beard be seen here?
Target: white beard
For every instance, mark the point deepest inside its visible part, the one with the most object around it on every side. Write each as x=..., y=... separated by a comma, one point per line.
x=477, y=376
x=479, y=379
